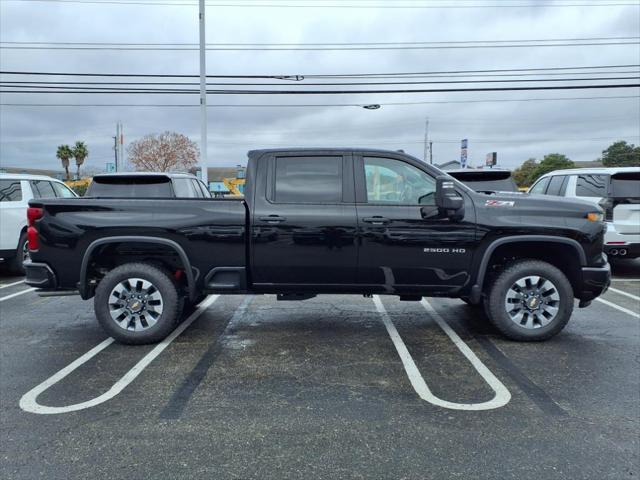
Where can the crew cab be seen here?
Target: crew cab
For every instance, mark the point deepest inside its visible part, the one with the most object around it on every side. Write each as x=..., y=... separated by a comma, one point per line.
x=323, y=221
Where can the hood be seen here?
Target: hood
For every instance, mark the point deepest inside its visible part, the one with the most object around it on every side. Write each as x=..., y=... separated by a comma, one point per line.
x=538, y=205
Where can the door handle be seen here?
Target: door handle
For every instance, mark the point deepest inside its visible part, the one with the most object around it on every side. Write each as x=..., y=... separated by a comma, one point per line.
x=377, y=220
x=272, y=219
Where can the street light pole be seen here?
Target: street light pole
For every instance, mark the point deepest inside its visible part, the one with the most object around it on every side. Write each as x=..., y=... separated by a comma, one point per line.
x=203, y=94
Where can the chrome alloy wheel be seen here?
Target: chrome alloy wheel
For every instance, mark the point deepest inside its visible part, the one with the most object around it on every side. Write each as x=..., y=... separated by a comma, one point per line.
x=532, y=302
x=135, y=304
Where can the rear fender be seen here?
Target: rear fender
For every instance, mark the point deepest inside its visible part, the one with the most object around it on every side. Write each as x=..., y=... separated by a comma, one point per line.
x=83, y=284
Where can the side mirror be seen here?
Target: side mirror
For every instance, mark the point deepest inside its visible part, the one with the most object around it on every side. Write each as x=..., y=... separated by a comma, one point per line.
x=448, y=200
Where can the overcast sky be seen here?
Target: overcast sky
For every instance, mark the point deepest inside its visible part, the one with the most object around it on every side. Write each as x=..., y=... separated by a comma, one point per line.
x=580, y=129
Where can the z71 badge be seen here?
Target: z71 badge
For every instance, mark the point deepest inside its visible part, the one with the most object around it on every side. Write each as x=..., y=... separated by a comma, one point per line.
x=499, y=203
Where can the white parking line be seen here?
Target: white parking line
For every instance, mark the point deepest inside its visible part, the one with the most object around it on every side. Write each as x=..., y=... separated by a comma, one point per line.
x=618, y=307
x=21, y=292
x=7, y=285
x=626, y=294
x=625, y=279
x=29, y=403
x=502, y=394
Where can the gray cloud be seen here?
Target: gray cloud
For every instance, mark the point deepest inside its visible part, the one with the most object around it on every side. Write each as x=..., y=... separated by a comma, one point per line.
x=516, y=130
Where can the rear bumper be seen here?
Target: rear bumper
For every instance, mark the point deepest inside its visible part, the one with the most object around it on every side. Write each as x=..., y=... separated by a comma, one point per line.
x=39, y=275
x=595, y=281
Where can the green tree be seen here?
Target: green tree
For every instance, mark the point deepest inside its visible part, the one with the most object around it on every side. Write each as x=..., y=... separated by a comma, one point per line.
x=64, y=154
x=621, y=154
x=551, y=162
x=524, y=173
x=80, y=153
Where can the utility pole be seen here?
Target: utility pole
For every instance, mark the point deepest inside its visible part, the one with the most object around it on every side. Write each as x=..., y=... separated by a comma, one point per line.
x=116, y=146
x=121, y=147
x=115, y=149
x=203, y=95
x=430, y=152
x=426, y=140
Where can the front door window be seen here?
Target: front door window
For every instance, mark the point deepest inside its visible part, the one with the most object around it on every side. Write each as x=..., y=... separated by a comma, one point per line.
x=393, y=182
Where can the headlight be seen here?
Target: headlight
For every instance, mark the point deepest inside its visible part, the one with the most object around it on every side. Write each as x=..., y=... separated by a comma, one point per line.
x=595, y=217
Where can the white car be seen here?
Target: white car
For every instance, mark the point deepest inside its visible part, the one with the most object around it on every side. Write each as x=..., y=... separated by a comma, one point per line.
x=15, y=192
x=616, y=189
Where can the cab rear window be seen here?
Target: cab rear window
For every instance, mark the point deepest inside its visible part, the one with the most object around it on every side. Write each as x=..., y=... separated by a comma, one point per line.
x=131, y=186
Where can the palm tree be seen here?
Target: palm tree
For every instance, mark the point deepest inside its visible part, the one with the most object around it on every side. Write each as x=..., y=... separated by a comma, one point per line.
x=64, y=153
x=80, y=152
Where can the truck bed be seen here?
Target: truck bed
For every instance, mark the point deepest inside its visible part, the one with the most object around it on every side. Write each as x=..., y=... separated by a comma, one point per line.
x=197, y=226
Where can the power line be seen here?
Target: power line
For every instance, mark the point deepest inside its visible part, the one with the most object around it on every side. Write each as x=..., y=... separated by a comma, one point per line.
x=331, y=92
x=323, y=44
x=309, y=105
x=478, y=45
x=298, y=77
x=317, y=4
x=23, y=84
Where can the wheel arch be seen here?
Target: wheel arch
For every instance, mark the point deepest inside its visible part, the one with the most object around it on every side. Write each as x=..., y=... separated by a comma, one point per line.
x=83, y=284
x=522, y=241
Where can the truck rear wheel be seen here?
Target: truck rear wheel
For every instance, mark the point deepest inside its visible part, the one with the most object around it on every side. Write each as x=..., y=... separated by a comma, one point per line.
x=137, y=303
x=530, y=300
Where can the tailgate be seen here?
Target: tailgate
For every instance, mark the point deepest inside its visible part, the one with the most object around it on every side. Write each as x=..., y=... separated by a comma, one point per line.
x=625, y=193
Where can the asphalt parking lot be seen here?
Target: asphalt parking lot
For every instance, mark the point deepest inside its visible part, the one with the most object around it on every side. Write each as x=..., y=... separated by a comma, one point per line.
x=333, y=387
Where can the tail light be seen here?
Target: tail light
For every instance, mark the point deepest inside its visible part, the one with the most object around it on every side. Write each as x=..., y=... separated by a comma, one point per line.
x=33, y=214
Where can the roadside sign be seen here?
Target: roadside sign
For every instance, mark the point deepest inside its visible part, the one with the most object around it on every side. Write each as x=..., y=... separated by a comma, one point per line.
x=491, y=159
x=111, y=167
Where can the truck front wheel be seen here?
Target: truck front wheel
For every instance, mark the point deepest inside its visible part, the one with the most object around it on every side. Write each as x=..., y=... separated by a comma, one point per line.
x=137, y=303
x=530, y=300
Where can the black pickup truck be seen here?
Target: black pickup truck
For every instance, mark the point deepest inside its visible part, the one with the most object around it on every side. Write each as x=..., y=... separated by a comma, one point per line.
x=323, y=221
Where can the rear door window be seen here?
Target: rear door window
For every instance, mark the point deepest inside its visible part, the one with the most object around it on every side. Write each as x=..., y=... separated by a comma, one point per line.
x=541, y=186
x=591, y=185
x=43, y=189
x=557, y=185
x=10, y=191
x=308, y=180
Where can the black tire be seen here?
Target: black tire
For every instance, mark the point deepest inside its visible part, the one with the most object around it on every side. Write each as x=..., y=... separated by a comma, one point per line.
x=161, y=281
x=497, y=296
x=15, y=264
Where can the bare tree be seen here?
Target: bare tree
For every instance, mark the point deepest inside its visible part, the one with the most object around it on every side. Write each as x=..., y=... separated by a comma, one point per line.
x=165, y=152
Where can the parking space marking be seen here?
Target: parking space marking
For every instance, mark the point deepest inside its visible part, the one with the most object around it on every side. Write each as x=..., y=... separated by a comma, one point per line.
x=180, y=398
x=618, y=307
x=7, y=285
x=502, y=395
x=625, y=279
x=622, y=292
x=21, y=292
x=29, y=403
